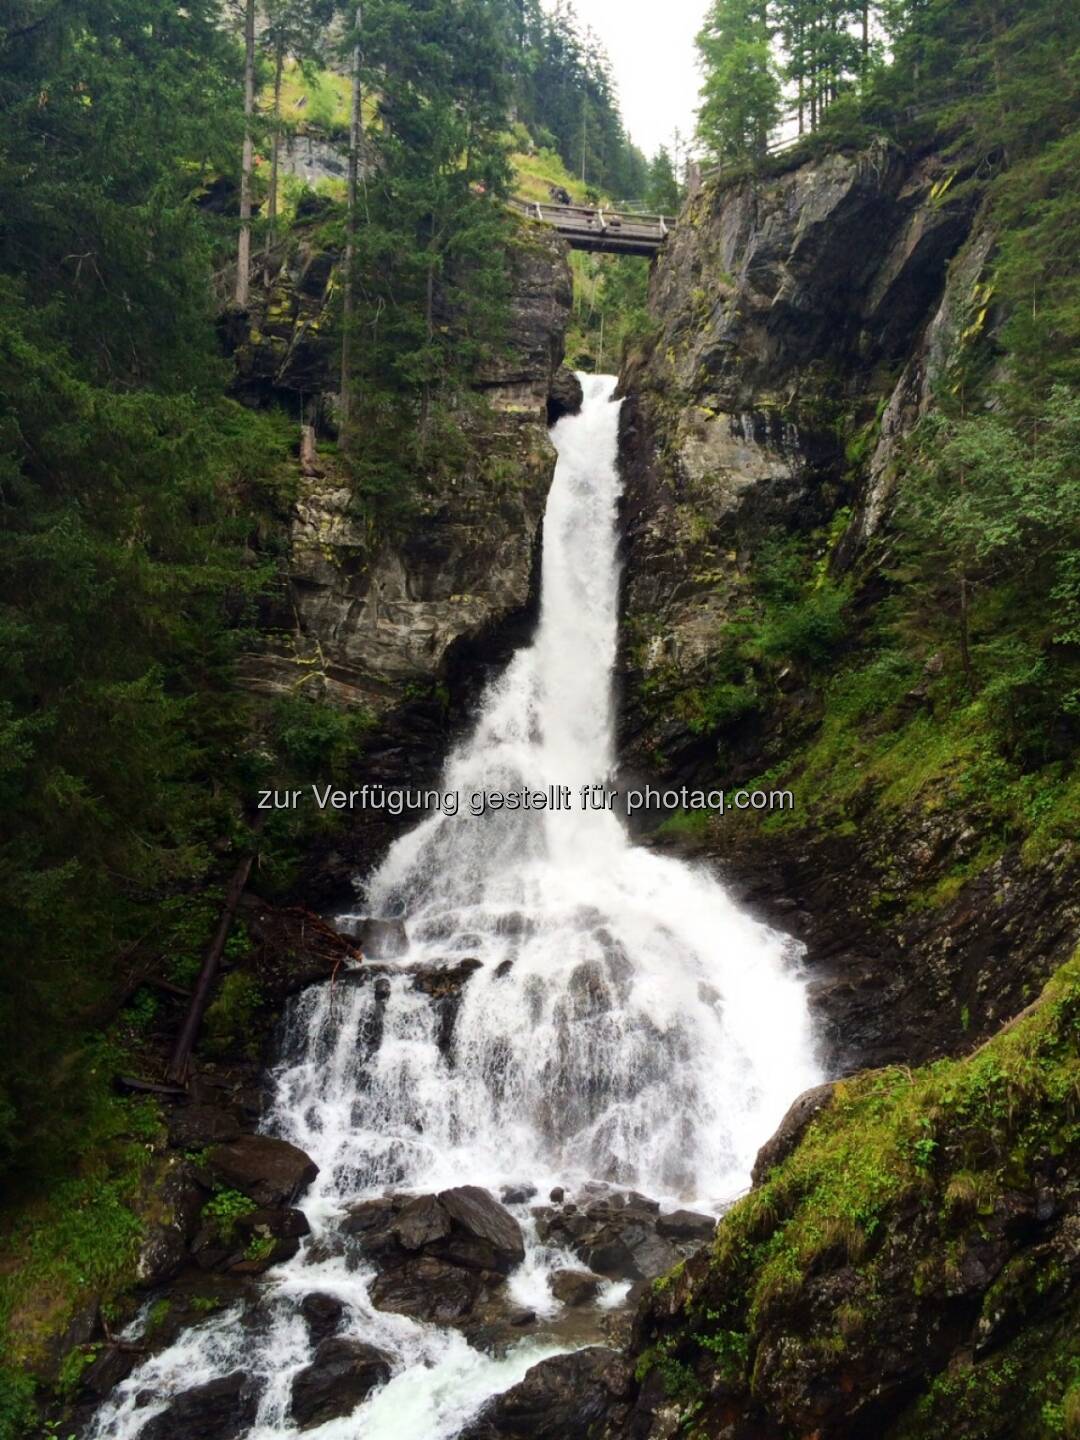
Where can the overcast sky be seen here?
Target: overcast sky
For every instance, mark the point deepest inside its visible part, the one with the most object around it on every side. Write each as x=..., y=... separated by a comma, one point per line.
x=651, y=44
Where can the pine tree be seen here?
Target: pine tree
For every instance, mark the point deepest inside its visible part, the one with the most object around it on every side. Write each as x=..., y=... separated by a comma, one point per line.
x=741, y=94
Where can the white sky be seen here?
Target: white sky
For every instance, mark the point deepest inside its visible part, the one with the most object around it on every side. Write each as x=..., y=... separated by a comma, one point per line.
x=651, y=44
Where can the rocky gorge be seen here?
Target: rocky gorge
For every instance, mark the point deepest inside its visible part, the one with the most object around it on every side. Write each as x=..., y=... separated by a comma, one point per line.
x=897, y=1253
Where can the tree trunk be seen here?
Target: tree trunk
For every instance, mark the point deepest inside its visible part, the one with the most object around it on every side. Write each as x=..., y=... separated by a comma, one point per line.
x=348, y=305
x=243, y=254
x=189, y=1032
x=272, y=196
x=965, y=643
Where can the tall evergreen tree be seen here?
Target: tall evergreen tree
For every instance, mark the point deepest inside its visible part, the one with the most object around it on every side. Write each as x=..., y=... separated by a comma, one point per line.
x=741, y=94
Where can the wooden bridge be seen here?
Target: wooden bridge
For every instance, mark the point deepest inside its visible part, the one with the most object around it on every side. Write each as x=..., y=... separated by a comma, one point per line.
x=607, y=231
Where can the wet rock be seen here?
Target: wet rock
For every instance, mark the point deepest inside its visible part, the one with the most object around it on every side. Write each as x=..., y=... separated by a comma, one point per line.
x=382, y=939
x=517, y=1194
x=486, y=1236
x=791, y=1129
x=267, y=1237
x=686, y=1225
x=633, y=1252
x=615, y=1235
x=575, y=1287
x=271, y=1172
x=565, y=396
x=323, y=1314
x=557, y=1195
x=112, y=1365
x=371, y=1215
x=445, y=984
x=343, y=1373
x=428, y=1289
x=220, y=1410
x=445, y=980
x=564, y=1398
x=164, y=1249
x=422, y=1221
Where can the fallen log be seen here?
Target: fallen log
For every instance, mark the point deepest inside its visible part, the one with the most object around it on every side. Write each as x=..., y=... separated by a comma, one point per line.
x=200, y=998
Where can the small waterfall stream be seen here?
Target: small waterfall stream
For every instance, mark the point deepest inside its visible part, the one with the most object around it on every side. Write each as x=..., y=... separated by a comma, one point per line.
x=626, y=1025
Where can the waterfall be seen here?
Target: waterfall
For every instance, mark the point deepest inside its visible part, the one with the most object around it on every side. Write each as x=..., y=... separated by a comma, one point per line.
x=624, y=1023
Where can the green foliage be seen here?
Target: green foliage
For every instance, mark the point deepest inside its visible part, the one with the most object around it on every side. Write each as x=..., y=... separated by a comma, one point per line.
x=741, y=92
x=610, y=294
x=224, y=1209
x=564, y=93
x=79, y=1235
x=127, y=494
x=230, y=1024
x=989, y=504
x=16, y=1403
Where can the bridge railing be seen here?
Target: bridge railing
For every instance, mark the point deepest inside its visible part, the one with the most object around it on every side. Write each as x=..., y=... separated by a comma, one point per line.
x=585, y=216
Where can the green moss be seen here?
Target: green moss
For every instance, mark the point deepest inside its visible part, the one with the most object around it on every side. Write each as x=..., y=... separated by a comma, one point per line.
x=945, y=1142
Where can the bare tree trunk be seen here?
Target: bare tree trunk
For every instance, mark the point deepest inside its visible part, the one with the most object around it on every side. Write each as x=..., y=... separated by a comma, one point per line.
x=272, y=197
x=243, y=254
x=189, y=1032
x=356, y=130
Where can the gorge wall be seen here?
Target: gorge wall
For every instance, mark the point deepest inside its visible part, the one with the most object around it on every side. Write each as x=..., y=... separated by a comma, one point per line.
x=401, y=623
x=802, y=324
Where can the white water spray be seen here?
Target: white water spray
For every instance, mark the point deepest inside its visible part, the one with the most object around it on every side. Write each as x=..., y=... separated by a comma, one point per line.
x=627, y=1024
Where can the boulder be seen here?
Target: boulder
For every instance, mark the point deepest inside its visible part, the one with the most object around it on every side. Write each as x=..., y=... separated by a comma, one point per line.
x=323, y=1314
x=575, y=1287
x=485, y=1235
x=271, y=1172
x=616, y=1236
x=791, y=1129
x=343, y=1373
x=428, y=1289
x=219, y=1410
x=686, y=1225
x=422, y=1221
x=565, y=396
x=517, y=1194
x=565, y=1398
x=382, y=939
x=267, y=1237
x=370, y=1215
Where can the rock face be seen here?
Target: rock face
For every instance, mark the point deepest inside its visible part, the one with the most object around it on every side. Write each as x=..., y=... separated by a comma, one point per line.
x=779, y=302
x=402, y=628
x=368, y=620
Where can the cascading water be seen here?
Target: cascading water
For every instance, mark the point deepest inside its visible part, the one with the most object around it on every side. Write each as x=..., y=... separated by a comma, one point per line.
x=626, y=1024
